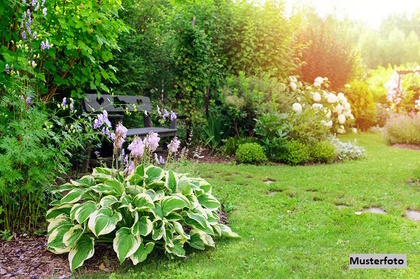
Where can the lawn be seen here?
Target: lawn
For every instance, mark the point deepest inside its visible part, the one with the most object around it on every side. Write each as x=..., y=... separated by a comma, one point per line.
x=304, y=224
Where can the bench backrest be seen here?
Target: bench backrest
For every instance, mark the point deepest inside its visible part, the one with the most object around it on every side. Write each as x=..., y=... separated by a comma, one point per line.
x=116, y=103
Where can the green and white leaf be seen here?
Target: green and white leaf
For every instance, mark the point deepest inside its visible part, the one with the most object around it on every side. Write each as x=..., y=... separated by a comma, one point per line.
x=184, y=186
x=55, y=239
x=73, y=196
x=57, y=210
x=57, y=221
x=116, y=185
x=154, y=175
x=107, y=201
x=71, y=237
x=125, y=243
x=180, y=230
x=226, y=231
x=177, y=248
x=81, y=212
x=103, y=221
x=209, y=201
x=198, y=221
x=83, y=250
x=104, y=189
x=141, y=254
x=142, y=226
x=171, y=181
x=173, y=203
x=141, y=202
x=86, y=181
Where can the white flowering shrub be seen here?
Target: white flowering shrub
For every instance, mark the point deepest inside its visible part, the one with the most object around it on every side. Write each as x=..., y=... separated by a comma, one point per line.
x=347, y=150
x=136, y=206
x=334, y=108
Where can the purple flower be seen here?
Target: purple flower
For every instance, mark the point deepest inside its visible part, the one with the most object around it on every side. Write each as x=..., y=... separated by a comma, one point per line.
x=130, y=168
x=43, y=3
x=34, y=2
x=34, y=35
x=136, y=148
x=160, y=160
x=22, y=98
x=28, y=100
x=42, y=45
x=28, y=28
x=71, y=105
x=126, y=160
x=151, y=141
x=64, y=103
x=100, y=120
x=173, y=116
x=158, y=110
x=44, y=11
x=174, y=145
x=120, y=134
x=23, y=16
x=24, y=35
x=47, y=45
x=165, y=114
x=24, y=2
x=6, y=68
x=37, y=7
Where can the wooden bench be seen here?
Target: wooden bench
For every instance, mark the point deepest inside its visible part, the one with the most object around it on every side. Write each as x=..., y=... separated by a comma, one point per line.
x=116, y=105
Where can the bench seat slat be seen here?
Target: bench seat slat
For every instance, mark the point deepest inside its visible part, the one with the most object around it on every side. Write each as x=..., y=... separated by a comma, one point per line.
x=163, y=132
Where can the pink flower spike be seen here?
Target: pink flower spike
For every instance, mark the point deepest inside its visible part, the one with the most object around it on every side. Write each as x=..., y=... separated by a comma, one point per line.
x=152, y=141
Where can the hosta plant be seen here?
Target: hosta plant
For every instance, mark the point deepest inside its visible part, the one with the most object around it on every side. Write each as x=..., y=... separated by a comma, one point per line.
x=148, y=209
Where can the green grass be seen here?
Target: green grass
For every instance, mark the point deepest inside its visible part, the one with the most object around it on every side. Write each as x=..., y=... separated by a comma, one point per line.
x=293, y=227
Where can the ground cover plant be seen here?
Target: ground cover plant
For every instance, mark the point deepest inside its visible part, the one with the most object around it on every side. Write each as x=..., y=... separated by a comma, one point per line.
x=306, y=222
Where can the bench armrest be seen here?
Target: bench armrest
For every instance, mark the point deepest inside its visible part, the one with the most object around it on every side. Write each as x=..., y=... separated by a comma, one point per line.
x=173, y=124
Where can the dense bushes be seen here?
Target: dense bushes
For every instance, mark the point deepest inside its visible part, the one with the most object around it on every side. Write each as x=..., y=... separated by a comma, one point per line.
x=249, y=153
x=361, y=100
x=403, y=128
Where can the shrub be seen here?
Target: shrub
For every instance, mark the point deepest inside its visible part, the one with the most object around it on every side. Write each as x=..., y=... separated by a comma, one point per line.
x=147, y=209
x=347, y=151
x=297, y=153
x=403, y=129
x=251, y=153
x=323, y=152
x=361, y=100
x=231, y=144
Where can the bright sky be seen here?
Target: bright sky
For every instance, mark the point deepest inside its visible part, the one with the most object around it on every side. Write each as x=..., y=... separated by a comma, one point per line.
x=369, y=11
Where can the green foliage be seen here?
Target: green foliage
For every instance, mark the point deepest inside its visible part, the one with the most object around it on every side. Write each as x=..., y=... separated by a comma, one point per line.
x=35, y=148
x=347, y=150
x=308, y=126
x=212, y=132
x=82, y=35
x=403, y=128
x=231, y=144
x=361, y=100
x=150, y=208
x=295, y=153
x=250, y=153
x=323, y=152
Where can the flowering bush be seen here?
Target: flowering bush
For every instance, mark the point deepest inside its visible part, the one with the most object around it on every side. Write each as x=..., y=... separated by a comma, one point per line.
x=403, y=128
x=136, y=206
x=347, y=150
x=333, y=109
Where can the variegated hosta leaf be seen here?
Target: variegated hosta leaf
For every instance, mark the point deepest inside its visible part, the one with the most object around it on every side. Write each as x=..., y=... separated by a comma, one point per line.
x=226, y=231
x=143, y=226
x=107, y=201
x=102, y=174
x=83, y=250
x=57, y=210
x=157, y=211
x=196, y=242
x=205, y=238
x=141, y=254
x=184, y=186
x=71, y=237
x=217, y=229
x=55, y=238
x=104, y=189
x=212, y=216
x=173, y=203
x=85, y=182
x=73, y=196
x=63, y=188
x=177, y=248
x=158, y=229
x=198, y=221
x=125, y=200
x=125, y=243
x=81, y=212
x=180, y=230
x=209, y=201
x=116, y=185
x=103, y=221
x=203, y=184
x=57, y=221
x=141, y=202
x=171, y=181
x=155, y=195
x=154, y=175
